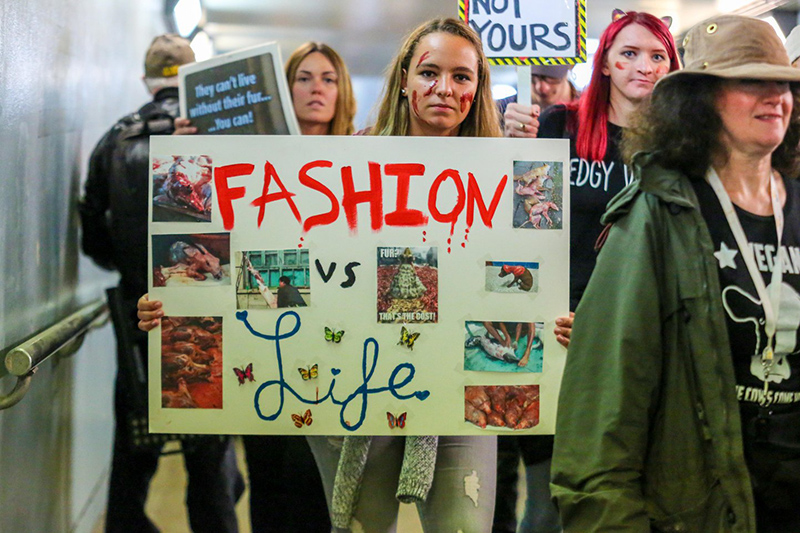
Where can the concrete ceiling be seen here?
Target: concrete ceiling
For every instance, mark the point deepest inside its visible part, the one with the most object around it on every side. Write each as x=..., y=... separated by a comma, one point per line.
x=368, y=32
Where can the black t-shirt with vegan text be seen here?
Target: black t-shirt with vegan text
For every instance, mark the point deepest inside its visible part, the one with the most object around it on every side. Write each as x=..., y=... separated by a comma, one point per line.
x=771, y=420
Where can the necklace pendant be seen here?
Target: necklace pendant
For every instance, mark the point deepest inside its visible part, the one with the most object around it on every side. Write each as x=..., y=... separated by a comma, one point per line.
x=767, y=356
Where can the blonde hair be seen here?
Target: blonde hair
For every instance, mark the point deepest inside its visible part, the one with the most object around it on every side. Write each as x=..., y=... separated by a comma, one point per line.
x=393, y=115
x=342, y=123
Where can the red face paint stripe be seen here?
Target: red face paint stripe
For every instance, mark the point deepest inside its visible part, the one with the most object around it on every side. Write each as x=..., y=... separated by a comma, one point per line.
x=619, y=65
x=423, y=58
x=434, y=83
x=414, y=103
x=466, y=100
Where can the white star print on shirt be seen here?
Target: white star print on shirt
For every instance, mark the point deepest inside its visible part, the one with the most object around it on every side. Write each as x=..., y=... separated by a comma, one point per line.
x=725, y=256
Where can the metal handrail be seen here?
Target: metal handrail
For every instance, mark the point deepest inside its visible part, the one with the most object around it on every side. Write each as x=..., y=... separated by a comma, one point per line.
x=63, y=337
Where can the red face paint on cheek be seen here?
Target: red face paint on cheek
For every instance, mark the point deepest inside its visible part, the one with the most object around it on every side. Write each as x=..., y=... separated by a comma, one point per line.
x=423, y=58
x=414, y=102
x=434, y=83
x=620, y=66
x=466, y=100
x=661, y=70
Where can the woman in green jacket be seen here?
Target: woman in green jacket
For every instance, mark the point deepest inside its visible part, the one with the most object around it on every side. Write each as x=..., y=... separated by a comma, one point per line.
x=680, y=403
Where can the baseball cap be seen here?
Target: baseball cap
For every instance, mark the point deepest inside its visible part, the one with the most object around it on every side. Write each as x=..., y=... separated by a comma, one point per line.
x=166, y=53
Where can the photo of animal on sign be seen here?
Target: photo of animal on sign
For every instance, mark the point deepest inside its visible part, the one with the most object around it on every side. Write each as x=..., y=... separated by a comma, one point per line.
x=182, y=189
x=361, y=284
x=199, y=259
x=511, y=277
x=538, y=191
x=191, y=362
x=503, y=346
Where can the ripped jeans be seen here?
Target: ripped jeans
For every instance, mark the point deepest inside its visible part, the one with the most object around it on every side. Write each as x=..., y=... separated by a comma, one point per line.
x=461, y=497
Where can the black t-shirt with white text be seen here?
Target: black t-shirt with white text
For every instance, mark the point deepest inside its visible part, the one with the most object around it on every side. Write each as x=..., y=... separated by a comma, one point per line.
x=592, y=185
x=771, y=421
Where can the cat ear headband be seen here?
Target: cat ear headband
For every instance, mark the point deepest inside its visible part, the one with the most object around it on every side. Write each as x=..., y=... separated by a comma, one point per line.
x=618, y=14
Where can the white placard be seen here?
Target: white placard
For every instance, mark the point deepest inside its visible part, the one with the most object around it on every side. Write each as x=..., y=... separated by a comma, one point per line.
x=383, y=238
x=528, y=31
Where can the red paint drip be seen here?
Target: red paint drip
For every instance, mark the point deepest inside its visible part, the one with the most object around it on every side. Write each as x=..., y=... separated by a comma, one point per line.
x=466, y=100
x=619, y=65
x=463, y=245
x=423, y=58
x=414, y=102
x=424, y=236
x=429, y=92
x=448, y=249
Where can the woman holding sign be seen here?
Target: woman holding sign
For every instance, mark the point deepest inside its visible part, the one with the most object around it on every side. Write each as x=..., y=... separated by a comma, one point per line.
x=679, y=404
x=635, y=51
x=322, y=95
x=438, y=85
x=285, y=491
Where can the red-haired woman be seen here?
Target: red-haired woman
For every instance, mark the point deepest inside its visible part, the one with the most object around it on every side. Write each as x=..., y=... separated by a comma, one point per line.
x=635, y=51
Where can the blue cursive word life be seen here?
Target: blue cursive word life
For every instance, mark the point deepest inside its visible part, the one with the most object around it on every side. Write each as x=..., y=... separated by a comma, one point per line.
x=361, y=393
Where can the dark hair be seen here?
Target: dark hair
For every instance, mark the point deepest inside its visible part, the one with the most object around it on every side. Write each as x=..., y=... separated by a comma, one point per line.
x=285, y=279
x=680, y=126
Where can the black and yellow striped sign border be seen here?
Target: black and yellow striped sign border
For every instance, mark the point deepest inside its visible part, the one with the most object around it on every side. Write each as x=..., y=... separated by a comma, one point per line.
x=580, y=40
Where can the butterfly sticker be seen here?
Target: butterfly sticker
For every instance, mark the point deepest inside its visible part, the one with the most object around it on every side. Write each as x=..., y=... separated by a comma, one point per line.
x=302, y=420
x=396, y=421
x=332, y=335
x=407, y=338
x=245, y=373
x=309, y=372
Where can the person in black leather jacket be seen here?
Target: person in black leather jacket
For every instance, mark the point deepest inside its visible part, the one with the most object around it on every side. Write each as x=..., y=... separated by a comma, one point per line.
x=114, y=217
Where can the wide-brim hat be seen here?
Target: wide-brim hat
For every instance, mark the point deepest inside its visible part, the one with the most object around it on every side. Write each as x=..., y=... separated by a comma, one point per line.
x=733, y=47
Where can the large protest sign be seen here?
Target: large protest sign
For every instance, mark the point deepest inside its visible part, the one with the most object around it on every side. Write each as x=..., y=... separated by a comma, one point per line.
x=242, y=92
x=367, y=285
x=529, y=32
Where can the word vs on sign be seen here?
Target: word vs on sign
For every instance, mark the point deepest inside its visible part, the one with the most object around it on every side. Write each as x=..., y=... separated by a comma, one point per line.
x=468, y=194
